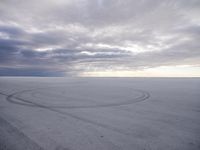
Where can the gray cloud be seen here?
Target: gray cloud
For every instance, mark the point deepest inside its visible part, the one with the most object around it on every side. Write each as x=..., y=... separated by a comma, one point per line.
x=87, y=35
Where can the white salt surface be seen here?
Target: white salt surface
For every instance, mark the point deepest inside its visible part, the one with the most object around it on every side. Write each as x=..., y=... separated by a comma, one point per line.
x=99, y=113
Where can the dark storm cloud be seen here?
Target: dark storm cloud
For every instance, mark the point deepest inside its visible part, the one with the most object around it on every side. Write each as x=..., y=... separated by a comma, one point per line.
x=11, y=31
x=70, y=35
x=29, y=72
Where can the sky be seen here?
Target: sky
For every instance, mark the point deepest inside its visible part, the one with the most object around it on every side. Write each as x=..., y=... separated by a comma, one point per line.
x=125, y=38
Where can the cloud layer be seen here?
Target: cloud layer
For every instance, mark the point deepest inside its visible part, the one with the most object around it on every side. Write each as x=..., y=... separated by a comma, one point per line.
x=64, y=37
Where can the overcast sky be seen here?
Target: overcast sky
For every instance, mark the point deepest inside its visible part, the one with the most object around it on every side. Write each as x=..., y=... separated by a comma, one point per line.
x=100, y=37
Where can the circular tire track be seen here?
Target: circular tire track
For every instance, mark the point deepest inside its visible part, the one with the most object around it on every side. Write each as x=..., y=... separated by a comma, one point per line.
x=14, y=98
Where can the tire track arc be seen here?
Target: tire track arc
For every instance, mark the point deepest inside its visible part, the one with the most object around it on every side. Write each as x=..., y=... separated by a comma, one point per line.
x=15, y=99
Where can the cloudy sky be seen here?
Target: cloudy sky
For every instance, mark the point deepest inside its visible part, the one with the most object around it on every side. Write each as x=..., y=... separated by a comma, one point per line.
x=100, y=37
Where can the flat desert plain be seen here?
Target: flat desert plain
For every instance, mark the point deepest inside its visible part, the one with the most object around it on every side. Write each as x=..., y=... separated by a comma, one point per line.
x=99, y=113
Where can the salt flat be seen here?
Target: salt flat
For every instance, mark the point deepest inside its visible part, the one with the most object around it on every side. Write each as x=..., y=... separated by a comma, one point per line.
x=99, y=113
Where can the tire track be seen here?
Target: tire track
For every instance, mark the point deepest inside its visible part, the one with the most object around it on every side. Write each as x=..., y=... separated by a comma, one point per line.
x=17, y=100
x=13, y=139
x=145, y=95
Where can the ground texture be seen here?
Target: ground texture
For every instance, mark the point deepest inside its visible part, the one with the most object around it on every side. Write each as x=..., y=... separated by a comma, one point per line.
x=99, y=113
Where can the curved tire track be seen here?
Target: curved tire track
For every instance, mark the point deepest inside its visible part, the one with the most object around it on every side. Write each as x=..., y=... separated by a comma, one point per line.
x=145, y=95
x=21, y=101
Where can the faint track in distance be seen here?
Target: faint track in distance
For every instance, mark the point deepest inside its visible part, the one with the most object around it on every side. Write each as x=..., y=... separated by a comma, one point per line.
x=144, y=95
